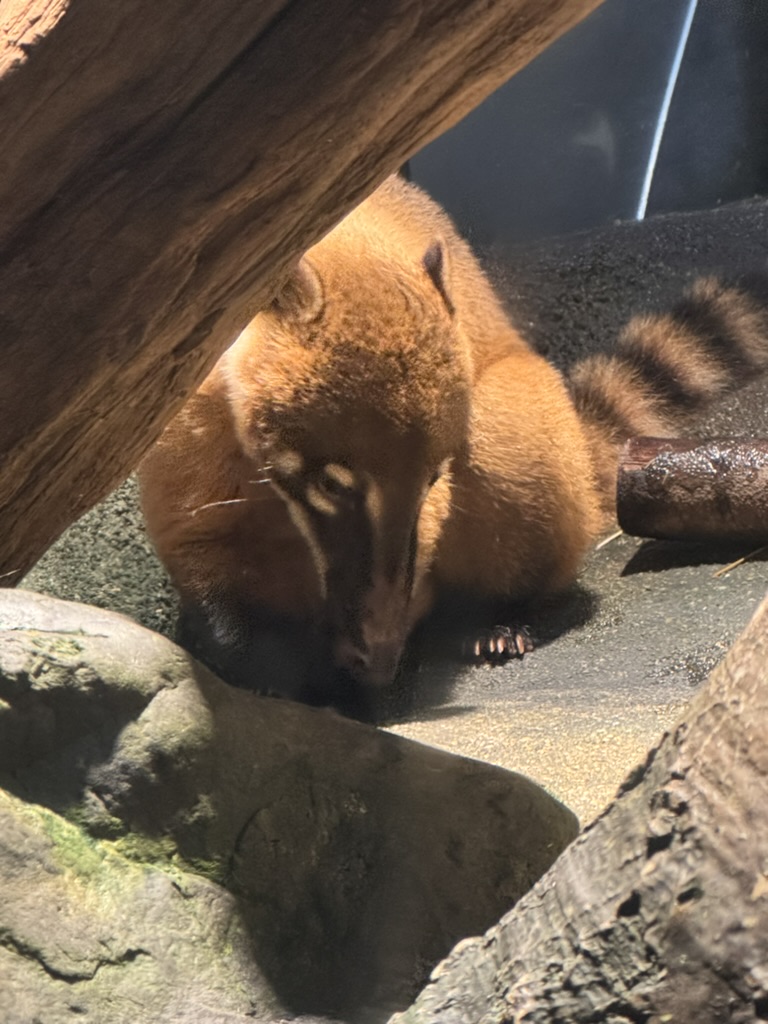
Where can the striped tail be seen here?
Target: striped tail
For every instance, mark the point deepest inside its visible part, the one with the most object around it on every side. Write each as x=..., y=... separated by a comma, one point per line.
x=666, y=368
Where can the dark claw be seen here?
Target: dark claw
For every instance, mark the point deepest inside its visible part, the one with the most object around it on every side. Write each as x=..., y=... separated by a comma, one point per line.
x=499, y=644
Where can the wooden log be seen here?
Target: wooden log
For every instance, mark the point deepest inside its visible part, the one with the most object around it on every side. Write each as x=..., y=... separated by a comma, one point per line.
x=711, y=491
x=161, y=167
x=659, y=910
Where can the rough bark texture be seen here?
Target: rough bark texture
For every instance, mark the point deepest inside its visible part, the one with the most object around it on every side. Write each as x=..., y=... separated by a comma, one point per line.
x=694, y=490
x=659, y=911
x=293, y=859
x=161, y=166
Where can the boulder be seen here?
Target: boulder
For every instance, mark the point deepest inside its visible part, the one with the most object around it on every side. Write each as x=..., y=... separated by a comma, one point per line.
x=89, y=932
x=176, y=849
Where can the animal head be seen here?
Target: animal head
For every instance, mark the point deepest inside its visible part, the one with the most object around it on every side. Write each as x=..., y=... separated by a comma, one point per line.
x=353, y=389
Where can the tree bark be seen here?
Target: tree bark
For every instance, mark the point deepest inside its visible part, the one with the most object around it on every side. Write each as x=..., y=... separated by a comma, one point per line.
x=659, y=910
x=694, y=490
x=161, y=166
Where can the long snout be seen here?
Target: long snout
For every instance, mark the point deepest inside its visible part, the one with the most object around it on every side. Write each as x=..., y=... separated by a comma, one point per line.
x=370, y=642
x=373, y=665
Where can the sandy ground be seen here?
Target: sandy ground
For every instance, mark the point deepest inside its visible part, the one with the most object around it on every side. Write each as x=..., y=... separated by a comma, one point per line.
x=583, y=709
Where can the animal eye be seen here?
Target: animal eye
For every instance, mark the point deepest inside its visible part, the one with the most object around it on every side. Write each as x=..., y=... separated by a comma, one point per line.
x=329, y=487
x=334, y=482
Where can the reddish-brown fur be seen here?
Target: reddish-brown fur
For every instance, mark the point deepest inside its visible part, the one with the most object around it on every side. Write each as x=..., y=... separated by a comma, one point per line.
x=386, y=357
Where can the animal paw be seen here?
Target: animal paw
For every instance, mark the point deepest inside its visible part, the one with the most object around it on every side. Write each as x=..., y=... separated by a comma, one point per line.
x=499, y=644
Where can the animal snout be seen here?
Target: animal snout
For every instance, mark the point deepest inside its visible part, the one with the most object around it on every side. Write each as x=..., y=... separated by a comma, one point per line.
x=374, y=666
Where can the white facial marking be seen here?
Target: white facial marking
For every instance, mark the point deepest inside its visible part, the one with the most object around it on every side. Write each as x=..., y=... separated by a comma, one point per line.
x=287, y=462
x=301, y=522
x=319, y=501
x=343, y=476
x=373, y=501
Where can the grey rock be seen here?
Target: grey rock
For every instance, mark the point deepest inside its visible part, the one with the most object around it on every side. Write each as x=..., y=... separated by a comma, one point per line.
x=191, y=852
x=89, y=934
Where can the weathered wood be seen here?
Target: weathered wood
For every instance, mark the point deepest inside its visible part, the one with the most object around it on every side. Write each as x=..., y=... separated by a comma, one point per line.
x=161, y=166
x=694, y=490
x=659, y=910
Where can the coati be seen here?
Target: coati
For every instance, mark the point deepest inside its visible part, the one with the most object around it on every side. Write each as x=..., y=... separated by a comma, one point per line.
x=381, y=433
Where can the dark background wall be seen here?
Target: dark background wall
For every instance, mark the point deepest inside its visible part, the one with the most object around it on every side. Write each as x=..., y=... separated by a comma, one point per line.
x=566, y=144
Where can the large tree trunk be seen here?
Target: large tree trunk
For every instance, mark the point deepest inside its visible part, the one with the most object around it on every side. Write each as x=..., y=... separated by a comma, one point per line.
x=659, y=911
x=161, y=165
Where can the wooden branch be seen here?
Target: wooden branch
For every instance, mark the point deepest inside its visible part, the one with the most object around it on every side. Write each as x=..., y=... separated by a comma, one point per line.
x=694, y=490
x=161, y=165
x=659, y=910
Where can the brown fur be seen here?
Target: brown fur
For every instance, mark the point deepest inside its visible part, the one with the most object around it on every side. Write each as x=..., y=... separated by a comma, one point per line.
x=384, y=362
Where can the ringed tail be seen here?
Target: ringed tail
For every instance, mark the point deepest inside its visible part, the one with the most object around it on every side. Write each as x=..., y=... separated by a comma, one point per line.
x=666, y=368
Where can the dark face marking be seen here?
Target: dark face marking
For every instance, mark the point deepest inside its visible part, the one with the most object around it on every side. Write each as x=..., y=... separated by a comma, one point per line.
x=363, y=533
x=353, y=454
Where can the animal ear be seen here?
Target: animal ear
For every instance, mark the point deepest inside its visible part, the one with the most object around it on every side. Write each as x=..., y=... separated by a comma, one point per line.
x=435, y=262
x=301, y=298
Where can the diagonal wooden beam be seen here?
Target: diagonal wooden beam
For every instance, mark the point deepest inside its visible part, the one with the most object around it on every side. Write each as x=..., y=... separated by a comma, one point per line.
x=160, y=167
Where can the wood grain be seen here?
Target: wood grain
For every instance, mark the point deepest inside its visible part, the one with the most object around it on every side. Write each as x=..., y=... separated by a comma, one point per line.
x=705, y=491
x=161, y=166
